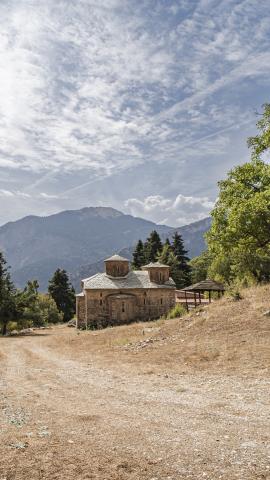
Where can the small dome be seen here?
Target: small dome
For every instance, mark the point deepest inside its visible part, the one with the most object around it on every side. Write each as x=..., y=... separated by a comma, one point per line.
x=116, y=258
x=155, y=265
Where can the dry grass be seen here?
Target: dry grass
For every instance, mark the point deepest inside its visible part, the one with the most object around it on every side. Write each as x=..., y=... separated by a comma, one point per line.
x=224, y=335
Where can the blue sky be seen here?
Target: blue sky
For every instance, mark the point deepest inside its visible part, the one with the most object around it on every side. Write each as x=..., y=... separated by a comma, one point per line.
x=139, y=105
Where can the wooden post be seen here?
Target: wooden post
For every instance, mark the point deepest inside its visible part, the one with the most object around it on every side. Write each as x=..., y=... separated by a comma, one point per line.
x=195, y=299
x=186, y=300
x=200, y=300
x=209, y=296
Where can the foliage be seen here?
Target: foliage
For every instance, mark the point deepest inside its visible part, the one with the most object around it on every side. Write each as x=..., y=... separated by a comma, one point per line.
x=239, y=238
x=7, y=296
x=164, y=255
x=27, y=306
x=63, y=294
x=261, y=142
x=173, y=255
x=11, y=326
x=138, y=256
x=183, y=260
x=48, y=307
x=152, y=247
x=199, y=267
x=36, y=309
x=177, y=311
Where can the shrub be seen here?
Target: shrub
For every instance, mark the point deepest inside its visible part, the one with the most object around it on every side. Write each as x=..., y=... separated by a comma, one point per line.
x=177, y=311
x=234, y=292
x=12, y=326
x=49, y=310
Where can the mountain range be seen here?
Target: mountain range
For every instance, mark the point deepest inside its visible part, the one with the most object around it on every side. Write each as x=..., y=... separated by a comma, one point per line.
x=79, y=240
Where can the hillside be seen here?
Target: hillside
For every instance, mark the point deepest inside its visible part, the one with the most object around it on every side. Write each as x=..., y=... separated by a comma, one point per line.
x=35, y=246
x=227, y=335
x=193, y=236
x=180, y=399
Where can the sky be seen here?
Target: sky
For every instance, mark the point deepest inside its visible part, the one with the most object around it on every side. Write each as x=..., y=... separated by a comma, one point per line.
x=140, y=105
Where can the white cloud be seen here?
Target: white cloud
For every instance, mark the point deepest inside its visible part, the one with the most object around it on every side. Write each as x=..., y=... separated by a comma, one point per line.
x=91, y=85
x=47, y=196
x=13, y=193
x=91, y=90
x=177, y=211
x=19, y=195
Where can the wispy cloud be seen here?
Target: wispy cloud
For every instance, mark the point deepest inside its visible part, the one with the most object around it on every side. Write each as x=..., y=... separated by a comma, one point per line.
x=97, y=89
x=178, y=211
x=94, y=86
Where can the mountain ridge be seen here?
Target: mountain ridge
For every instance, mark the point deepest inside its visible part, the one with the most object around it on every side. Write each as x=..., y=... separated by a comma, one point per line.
x=35, y=246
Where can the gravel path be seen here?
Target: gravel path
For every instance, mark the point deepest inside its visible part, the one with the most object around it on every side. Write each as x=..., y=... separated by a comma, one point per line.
x=62, y=418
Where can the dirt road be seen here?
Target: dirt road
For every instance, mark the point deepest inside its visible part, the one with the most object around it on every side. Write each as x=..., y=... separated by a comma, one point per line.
x=108, y=412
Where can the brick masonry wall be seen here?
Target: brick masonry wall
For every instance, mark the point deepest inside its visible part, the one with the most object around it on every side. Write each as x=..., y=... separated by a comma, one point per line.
x=143, y=305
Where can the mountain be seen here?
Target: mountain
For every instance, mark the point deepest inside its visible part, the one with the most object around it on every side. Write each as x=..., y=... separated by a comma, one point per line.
x=35, y=246
x=193, y=236
x=77, y=239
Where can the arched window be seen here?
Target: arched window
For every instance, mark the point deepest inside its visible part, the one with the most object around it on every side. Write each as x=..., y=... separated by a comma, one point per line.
x=123, y=307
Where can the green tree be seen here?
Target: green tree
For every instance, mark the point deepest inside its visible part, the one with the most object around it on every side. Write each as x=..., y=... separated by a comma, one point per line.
x=163, y=256
x=167, y=257
x=261, y=142
x=183, y=260
x=8, y=309
x=29, y=313
x=239, y=238
x=49, y=310
x=152, y=247
x=36, y=309
x=138, y=256
x=199, y=267
x=167, y=242
x=63, y=294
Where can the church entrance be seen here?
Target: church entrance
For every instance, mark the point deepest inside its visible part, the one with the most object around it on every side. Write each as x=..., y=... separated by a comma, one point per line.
x=122, y=308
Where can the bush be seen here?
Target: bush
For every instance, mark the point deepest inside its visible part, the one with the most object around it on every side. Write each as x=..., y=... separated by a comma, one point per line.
x=177, y=311
x=12, y=326
x=49, y=310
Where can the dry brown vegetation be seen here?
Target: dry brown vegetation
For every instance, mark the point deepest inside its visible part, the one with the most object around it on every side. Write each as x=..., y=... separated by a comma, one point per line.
x=176, y=399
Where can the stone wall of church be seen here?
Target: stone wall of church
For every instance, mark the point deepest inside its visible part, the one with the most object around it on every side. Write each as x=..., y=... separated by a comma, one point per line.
x=143, y=305
x=80, y=311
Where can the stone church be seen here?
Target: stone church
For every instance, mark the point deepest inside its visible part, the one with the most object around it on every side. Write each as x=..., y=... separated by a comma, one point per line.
x=121, y=295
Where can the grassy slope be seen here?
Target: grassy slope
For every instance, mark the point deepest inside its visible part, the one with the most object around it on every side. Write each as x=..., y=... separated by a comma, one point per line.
x=225, y=335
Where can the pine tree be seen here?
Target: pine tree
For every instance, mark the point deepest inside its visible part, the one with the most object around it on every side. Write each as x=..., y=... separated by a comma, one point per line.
x=152, y=247
x=138, y=256
x=63, y=293
x=167, y=257
x=183, y=260
x=164, y=255
x=167, y=242
x=7, y=296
